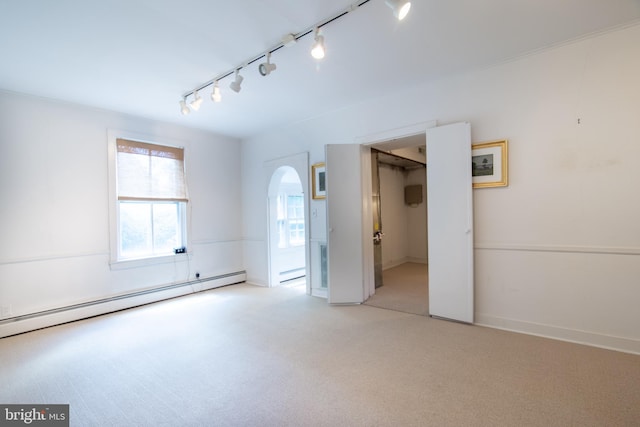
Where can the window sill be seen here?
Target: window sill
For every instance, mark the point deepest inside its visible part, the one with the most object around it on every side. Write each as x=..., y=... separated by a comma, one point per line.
x=146, y=262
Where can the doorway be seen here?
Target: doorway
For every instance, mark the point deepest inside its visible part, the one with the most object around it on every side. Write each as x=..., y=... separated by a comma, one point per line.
x=288, y=232
x=400, y=225
x=450, y=221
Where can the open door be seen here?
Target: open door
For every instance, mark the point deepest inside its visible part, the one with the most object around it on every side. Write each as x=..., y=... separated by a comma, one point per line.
x=349, y=270
x=450, y=222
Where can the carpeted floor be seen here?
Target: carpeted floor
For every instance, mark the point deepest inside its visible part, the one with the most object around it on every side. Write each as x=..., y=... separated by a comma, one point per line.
x=405, y=289
x=250, y=356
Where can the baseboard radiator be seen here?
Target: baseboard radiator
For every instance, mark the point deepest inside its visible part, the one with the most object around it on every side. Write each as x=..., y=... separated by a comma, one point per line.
x=42, y=319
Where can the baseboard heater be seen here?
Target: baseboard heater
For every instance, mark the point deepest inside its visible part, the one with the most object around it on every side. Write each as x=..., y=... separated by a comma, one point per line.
x=120, y=302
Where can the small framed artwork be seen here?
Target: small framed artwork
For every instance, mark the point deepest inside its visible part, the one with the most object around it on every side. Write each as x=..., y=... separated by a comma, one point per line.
x=489, y=164
x=318, y=181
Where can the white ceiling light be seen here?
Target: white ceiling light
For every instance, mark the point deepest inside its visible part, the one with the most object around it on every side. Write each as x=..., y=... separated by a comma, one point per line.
x=215, y=94
x=197, y=101
x=317, y=50
x=183, y=108
x=266, y=67
x=235, y=85
x=400, y=8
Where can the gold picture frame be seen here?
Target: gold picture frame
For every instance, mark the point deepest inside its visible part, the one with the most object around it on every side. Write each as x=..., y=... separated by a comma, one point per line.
x=490, y=164
x=318, y=181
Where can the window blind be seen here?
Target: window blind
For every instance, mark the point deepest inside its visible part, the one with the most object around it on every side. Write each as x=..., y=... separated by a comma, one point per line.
x=150, y=172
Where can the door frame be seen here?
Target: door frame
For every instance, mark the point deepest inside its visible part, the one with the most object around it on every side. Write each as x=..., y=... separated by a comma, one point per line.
x=370, y=141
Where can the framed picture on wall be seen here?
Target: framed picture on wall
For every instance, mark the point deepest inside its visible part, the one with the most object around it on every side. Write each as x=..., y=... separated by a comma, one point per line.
x=318, y=181
x=489, y=164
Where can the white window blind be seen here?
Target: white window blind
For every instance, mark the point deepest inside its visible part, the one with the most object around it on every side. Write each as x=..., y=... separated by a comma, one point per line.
x=150, y=172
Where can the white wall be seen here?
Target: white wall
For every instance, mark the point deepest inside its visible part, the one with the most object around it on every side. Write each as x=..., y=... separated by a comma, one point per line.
x=404, y=227
x=558, y=250
x=417, y=248
x=55, y=206
x=393, y=216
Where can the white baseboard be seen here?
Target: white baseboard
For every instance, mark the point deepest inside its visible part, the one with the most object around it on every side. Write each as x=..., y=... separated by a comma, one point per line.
x=21, y=324
x=405, y=260
x=609, y=342
x=320, y=293
x=257, y=282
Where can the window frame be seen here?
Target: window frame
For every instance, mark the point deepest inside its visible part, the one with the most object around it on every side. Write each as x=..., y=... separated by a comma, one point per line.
x=181, y=208
x=116, y=260
x=284, y=222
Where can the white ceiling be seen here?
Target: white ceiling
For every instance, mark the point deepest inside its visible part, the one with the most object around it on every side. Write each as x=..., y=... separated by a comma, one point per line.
x=141, y=56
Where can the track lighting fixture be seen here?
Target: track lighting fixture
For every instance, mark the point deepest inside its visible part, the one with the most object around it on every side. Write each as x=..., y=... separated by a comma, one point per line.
x=215, y=94
x=400, y=8
x=317, y=50
x=266, y=67
x=183, y=108
x=197, y=101
x=235, y=85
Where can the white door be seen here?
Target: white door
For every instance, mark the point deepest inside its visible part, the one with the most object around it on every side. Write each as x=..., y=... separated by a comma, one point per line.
x=450, y=222
x=348, y=269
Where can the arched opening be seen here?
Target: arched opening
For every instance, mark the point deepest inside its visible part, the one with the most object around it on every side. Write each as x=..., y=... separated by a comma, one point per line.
x=287, y=229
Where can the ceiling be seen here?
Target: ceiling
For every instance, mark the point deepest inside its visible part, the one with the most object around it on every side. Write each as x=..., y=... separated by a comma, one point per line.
x=140, y=56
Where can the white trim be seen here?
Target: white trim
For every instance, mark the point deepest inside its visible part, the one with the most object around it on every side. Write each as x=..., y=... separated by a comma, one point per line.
x=53, y=258
x=319, y=292
x=254, y=239
x=398, y=262
x=215, y=241
x=396, y=133
x=611, y=250
x=256, y=282
x=627, y=345
x=125, y=264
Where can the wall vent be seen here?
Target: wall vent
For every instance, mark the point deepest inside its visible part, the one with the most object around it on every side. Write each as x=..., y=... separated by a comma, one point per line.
x=324, y=280
x=413, y=194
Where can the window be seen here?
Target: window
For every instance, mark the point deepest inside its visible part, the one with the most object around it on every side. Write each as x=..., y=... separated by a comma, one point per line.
x=151, y=199
x=290, y=220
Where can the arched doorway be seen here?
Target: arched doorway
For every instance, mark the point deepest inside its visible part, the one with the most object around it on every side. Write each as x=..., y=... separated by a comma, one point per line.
x=277, y=173
x=287, y=226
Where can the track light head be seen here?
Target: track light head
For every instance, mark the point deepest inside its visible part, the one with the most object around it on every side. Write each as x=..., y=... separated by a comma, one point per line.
x=235, y=85
x=197, y=101
x=266, y=67
x=215, y=94
x=183, y=108
x=317, y=50
x=400, y=8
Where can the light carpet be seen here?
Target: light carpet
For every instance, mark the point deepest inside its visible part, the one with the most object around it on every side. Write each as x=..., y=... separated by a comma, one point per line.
x=405, y=288
x=251, y=356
